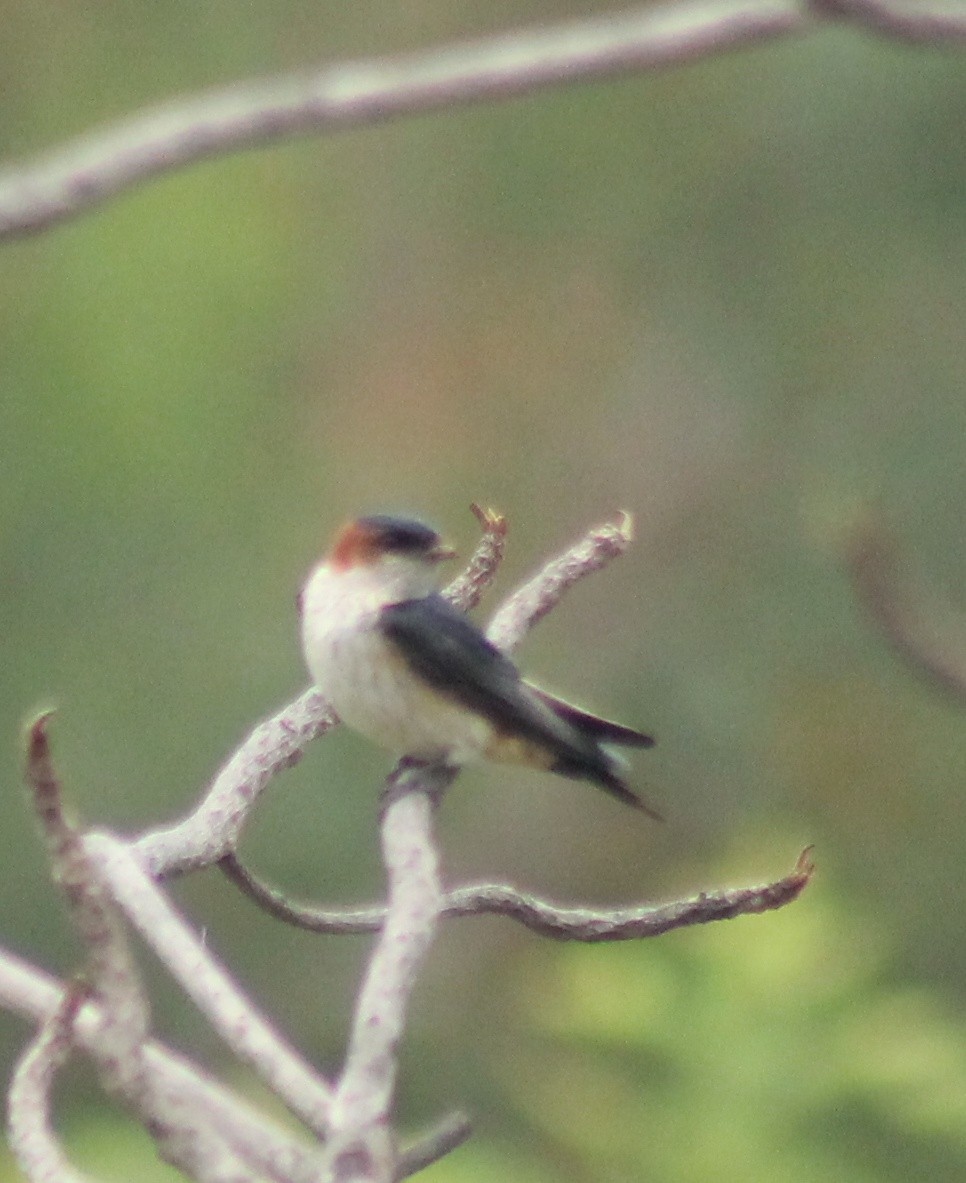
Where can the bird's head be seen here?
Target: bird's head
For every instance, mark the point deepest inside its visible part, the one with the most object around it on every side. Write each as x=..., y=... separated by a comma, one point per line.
x=402, y=551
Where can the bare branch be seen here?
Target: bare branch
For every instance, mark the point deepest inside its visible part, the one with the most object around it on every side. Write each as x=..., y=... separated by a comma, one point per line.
x=101, y=164
x=544, y=916
x=622, y=924
x=213, y=827
x=32, y=993
x=335, y=921
x=364, y=1091
x=927, y=633
x=231, y=1014
x=465, y=591
x=519, y=613
x=32, y=1137
x=923, y=22
x=183, y=1137
x=111, y=968
x=435, y=1144
x=535, y=599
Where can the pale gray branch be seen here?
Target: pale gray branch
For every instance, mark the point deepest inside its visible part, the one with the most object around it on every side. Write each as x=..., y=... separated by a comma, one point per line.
x=466, y=589
x=183, y=1136
x=213, y=827
x=32, y=1139
x=230, y=1013
x=83, y=173
x=100, y=164
x=363, y=1094
x=102, y=873
x=36, y=995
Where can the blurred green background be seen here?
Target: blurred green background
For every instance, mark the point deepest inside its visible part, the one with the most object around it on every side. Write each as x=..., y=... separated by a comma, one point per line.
x=729, y=297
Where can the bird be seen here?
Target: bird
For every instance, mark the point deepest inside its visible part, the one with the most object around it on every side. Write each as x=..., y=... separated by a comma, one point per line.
x=410, y=671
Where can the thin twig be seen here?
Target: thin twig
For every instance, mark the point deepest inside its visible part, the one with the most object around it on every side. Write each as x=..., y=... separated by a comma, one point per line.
x=32, y=1138
x=98, y=165
x=535, y=599
x=335, y=921
x=563, y=922
x=927, y=633
x=213, y=826
x=622, y=924
x=435, y=1144
x=466, y=589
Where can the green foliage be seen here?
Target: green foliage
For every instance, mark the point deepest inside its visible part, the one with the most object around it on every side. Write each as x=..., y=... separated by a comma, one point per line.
x=771, y=1048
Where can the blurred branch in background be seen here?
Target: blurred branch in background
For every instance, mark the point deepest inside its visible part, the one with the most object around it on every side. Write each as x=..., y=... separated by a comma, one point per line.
x=926, y=631
x=199, y=1125
x=96, y=166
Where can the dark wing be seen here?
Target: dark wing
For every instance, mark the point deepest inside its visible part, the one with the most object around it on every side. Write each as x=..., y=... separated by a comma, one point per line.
x=449, y=652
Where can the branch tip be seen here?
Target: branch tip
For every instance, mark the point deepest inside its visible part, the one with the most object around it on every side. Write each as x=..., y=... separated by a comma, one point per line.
x=42, y=780
x=805, y=867
x=491, y=520
x=37, y=743
x=451, y=1132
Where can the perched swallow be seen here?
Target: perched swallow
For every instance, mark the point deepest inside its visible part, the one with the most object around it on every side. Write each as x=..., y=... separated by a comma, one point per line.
x=403, y=666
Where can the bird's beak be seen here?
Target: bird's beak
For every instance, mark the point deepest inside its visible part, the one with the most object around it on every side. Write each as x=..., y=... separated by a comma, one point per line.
x=440, y=553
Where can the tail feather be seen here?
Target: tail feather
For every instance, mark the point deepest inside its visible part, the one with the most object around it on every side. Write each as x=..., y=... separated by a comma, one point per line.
x=600, y=771
x=615, y=786
x=588, y=759
x=593, y=726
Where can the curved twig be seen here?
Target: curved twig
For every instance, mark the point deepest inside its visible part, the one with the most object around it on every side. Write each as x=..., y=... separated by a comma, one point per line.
x=542, y=916
x=359, y=1114
x=531, y=603
x=32, y=1138
x=102, y=874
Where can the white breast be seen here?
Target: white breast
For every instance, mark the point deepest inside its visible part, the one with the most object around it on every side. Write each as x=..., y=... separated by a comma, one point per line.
x=369, y=683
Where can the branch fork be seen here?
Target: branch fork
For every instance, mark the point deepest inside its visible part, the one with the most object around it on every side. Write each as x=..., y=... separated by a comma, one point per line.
x=112, y=885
